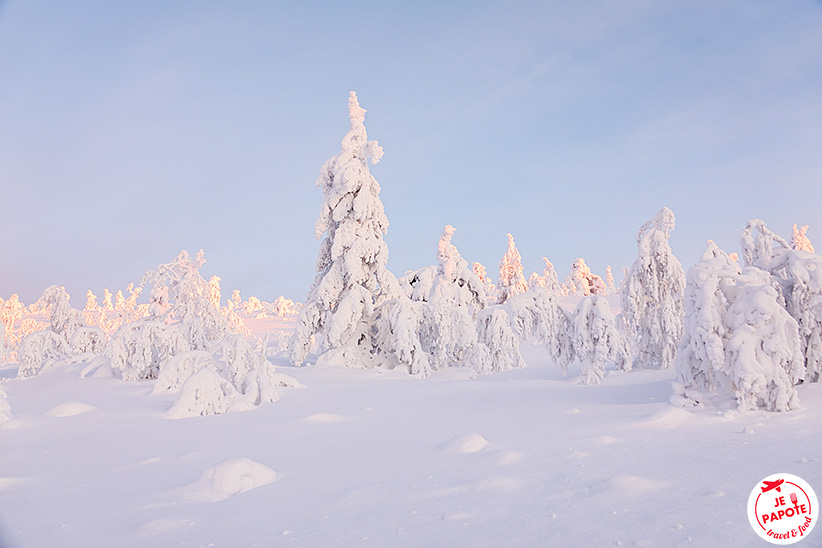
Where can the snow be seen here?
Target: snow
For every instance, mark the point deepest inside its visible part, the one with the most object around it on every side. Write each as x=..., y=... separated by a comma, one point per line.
x=524, y=457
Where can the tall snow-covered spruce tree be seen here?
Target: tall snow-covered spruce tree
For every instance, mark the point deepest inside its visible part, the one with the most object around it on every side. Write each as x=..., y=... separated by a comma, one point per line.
x=351, y=275
x=652, y=294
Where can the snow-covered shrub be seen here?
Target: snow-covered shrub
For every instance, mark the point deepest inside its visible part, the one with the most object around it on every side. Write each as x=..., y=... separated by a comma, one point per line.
x=5, y=408
x=652, y=295
x=597, y=341
x=178, y=369
x=497, y=348
x=581, y=281
x=207, y=393
x=39, y=351
x=800, y=240
x=351, y=275
x=395, y=335
x=139, y=349
x=738, y=338
x=88, y=340
x=511, y=279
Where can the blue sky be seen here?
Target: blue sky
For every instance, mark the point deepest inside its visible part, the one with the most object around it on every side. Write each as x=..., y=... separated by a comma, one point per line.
x=130, y=131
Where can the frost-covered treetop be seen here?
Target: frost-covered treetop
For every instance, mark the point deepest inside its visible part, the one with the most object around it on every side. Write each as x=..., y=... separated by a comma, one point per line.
x=759, y=251
x=663, y=221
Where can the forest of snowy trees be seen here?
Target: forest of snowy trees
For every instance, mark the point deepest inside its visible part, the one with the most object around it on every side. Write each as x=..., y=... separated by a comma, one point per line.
x=746, y=331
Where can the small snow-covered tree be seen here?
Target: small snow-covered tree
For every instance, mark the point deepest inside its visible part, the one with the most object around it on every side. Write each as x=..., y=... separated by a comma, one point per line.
x=738, y=338
x=763, y=354
x=107, y=300
x=92, y=309
x=88, y=340
x=395, y=336
x=511, y=279
x=497, y=348
x=482, y=274
x=609, y=281
x=652, y=294
x=351, y=275
x=63, y=319
x=140, y=348
x=537, y=313
x=797, y=275
x=456, y=284
x=800, y=240
x=214, y=293
x=40, y=350
x=597, y=341
x=583, y=281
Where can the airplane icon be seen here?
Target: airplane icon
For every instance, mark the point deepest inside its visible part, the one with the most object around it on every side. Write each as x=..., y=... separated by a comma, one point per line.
x=773, y=485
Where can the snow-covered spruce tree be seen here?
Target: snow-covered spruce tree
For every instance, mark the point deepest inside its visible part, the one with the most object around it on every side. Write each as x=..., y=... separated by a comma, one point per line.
x=537, y=313
x=482, y=274
x=584, y=281
x=395, y=336
x=351, y=275
x=497, y=348
x=88, y=340
x=511, y=279
x=738, y=339
x=800, y=240
x=652, y=295
x=797, y=275
x=214, y=293
x=597, y=341
x=763, y=354
x=456, y=284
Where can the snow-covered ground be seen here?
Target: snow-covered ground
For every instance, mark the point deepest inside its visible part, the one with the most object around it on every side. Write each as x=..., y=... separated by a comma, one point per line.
x=379, y=458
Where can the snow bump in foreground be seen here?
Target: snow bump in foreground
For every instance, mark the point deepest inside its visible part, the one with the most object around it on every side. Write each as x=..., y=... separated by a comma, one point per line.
x=70, y=409
x=465, y=444
x=227, y=479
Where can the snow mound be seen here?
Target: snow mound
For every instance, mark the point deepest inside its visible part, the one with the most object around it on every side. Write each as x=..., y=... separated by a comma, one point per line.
x=227, y=479
x=666, y=418
x=69, y=409
x=628, y=485
x=465, y=444
x=325, y=417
